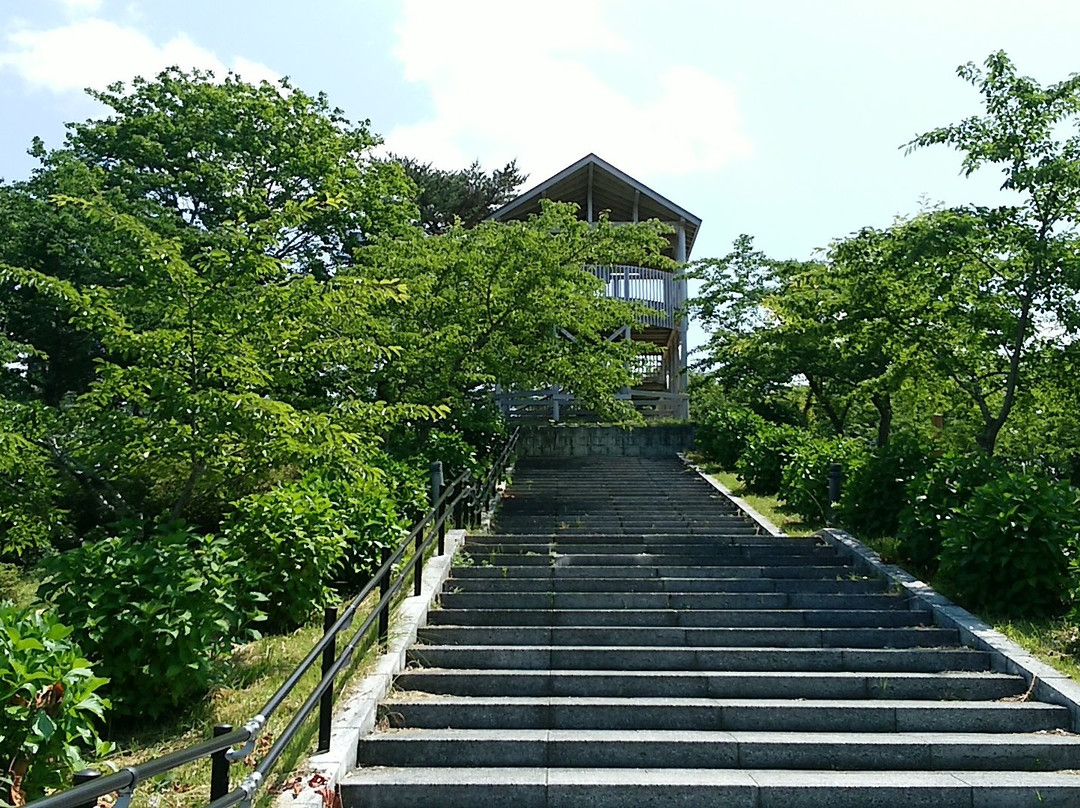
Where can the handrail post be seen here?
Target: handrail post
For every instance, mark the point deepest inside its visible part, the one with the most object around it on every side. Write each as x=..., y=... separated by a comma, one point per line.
x=85, y=776
x=418, y=567
x=459, y=502
x=436, y=492
x=835, y=473
x=326, y=703
x=384, y=588
x=219, y=766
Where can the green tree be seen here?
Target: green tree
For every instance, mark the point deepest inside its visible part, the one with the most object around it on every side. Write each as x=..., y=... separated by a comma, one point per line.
x=205, y=391
x=198, y=161
x=509, y=304
x=466, y=196
x=775, y=324
x=1026, y=259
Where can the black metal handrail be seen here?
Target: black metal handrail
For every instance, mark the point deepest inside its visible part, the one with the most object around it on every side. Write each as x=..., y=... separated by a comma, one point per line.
x=462, y=502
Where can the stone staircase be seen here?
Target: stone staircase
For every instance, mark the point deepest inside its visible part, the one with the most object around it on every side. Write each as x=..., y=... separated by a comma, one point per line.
x=628, y=638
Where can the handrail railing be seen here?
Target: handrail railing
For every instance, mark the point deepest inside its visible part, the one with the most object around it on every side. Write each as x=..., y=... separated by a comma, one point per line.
x=556, y=404
x=463, y=501
x=659, y=290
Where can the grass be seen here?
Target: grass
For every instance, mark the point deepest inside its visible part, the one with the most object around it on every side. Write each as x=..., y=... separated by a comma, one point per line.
x=247, y=680
x=18, y=586
x=1055, y=641
x=770, y=507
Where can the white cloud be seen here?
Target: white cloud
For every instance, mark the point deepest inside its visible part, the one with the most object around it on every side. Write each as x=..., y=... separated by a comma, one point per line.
x=94, y=53
x=525, y=80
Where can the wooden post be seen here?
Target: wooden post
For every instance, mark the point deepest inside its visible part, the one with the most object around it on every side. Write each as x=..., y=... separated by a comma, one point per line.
x=588, y=198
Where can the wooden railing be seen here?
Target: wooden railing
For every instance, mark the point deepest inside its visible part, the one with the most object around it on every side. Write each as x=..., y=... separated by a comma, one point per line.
x=555, y=404
x=656, y=289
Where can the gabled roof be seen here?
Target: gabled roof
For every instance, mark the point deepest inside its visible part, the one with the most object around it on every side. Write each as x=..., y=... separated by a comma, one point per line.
x=612, y=190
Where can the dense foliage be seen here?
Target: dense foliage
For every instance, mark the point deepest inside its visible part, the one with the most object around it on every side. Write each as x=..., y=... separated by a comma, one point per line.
x=232, y=340
x=1013, y=545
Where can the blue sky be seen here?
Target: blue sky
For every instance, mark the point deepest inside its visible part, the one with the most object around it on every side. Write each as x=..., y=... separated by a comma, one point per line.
x=778, y=118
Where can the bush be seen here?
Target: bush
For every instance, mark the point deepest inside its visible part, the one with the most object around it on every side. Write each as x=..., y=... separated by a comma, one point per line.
x=456, y=453
x=50, y=705
x=875, y=488
x=291, y=541
x=408, y=484
x=804, y=482
x=1013, y=544
x=153, y=612
x=722, y=434
x=375, y=524
x=933, y=497
x=767, y=451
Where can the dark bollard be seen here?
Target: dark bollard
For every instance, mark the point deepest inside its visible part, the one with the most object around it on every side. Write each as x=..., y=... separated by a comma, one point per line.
x=835, y=473
x=219, y=766
x=326, y=702
x=85, y=776
x=436, y=492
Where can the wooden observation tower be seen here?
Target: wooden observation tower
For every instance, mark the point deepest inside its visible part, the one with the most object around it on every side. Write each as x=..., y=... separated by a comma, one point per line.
x=595, y=186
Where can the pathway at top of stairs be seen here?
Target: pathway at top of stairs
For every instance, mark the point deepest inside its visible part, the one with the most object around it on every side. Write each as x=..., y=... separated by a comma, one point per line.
x=626, y=637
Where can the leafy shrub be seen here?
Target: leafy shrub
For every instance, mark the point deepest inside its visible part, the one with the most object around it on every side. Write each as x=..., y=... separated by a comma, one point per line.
x=407, y=485
x=31, y=519
x=456, y=453
x=375, y=524
x=933, y=496
x=804, y=483
x=767, y=451
x=50, y=705
x=875, y=488
x=722, y=434
x=153, y=613
x=291, y=541
x=1013, y=544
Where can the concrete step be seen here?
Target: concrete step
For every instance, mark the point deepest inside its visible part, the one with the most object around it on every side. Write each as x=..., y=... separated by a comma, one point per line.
x=949, y=685
x=675, y=636
x=626, y=528
x=717, y=546
x=591, y=567
x=719, y=539
x=670, y=585
x=629, y=639
x=627, y=523
x=540, y=787
x=655, y=749
x=550, y=657
x=456, y=597
x=714, y=618
x=762, y=715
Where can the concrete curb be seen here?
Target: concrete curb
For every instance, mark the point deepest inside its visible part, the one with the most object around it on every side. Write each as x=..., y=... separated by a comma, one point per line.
x=761, y=520
x=356, y=712
x=1047, y=683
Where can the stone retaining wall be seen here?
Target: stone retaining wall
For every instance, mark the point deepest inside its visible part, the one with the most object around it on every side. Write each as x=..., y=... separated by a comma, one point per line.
x=579, y=441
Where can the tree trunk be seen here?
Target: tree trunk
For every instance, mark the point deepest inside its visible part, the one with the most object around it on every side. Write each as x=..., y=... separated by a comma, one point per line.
x=883, y=404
